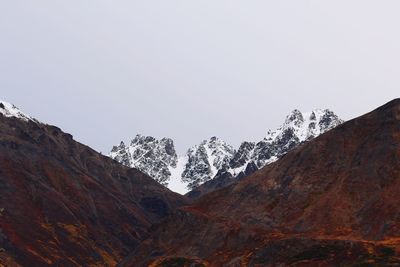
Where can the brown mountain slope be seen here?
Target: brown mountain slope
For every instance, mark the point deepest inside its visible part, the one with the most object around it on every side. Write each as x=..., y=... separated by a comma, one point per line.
x=334, y=201
x=63, y=204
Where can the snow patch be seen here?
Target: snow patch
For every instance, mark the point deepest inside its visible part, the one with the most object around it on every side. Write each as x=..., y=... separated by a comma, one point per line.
x=176, y=183
x=9, y=110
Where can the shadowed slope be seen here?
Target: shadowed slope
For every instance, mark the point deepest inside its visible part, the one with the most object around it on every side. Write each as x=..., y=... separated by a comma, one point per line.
x=64, y=204
x=334, y=200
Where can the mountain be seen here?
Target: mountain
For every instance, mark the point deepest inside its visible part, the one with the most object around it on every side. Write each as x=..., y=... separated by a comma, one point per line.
x=214, y=157
x=332, y=201
x=298, y=128
x=64, y=204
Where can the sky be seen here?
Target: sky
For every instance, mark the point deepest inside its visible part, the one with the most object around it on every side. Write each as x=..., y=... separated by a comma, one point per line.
x=106, y=70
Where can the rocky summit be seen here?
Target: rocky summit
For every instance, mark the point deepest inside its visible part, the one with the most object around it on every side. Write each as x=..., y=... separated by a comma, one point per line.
x=151, y=156
x=213, y=157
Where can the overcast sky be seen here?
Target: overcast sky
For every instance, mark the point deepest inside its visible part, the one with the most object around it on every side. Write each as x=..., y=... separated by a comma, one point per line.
x=107, y=70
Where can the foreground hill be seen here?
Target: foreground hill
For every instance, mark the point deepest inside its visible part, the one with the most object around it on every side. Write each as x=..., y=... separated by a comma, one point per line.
x=333, y=201
x=63, y=204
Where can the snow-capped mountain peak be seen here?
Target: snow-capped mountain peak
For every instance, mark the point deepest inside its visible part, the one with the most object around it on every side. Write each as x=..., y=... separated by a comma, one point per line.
x=213, y=157
x=148, y=154
x=307, y=125
x=205, y=160
x=9, y=110
x=297, y=128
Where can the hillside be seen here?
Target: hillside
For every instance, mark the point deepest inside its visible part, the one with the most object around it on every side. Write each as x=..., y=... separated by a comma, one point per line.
x=63, y=204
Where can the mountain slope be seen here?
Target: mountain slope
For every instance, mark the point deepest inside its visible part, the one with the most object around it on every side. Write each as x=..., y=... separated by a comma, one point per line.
x=63, y=204
x=333, y=201
x=203, y=162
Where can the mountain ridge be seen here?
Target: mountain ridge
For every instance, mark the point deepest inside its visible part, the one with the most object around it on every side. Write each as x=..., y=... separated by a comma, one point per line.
x=213, y=156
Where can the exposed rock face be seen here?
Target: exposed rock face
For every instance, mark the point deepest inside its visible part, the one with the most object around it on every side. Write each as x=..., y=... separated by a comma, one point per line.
x=149, y=155
x=63, y=204
x=244, y=155
x=333, y=201
x=201, y=163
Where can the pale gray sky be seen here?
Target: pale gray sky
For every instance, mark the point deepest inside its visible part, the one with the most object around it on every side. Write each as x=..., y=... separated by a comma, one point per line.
x=105, y=70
